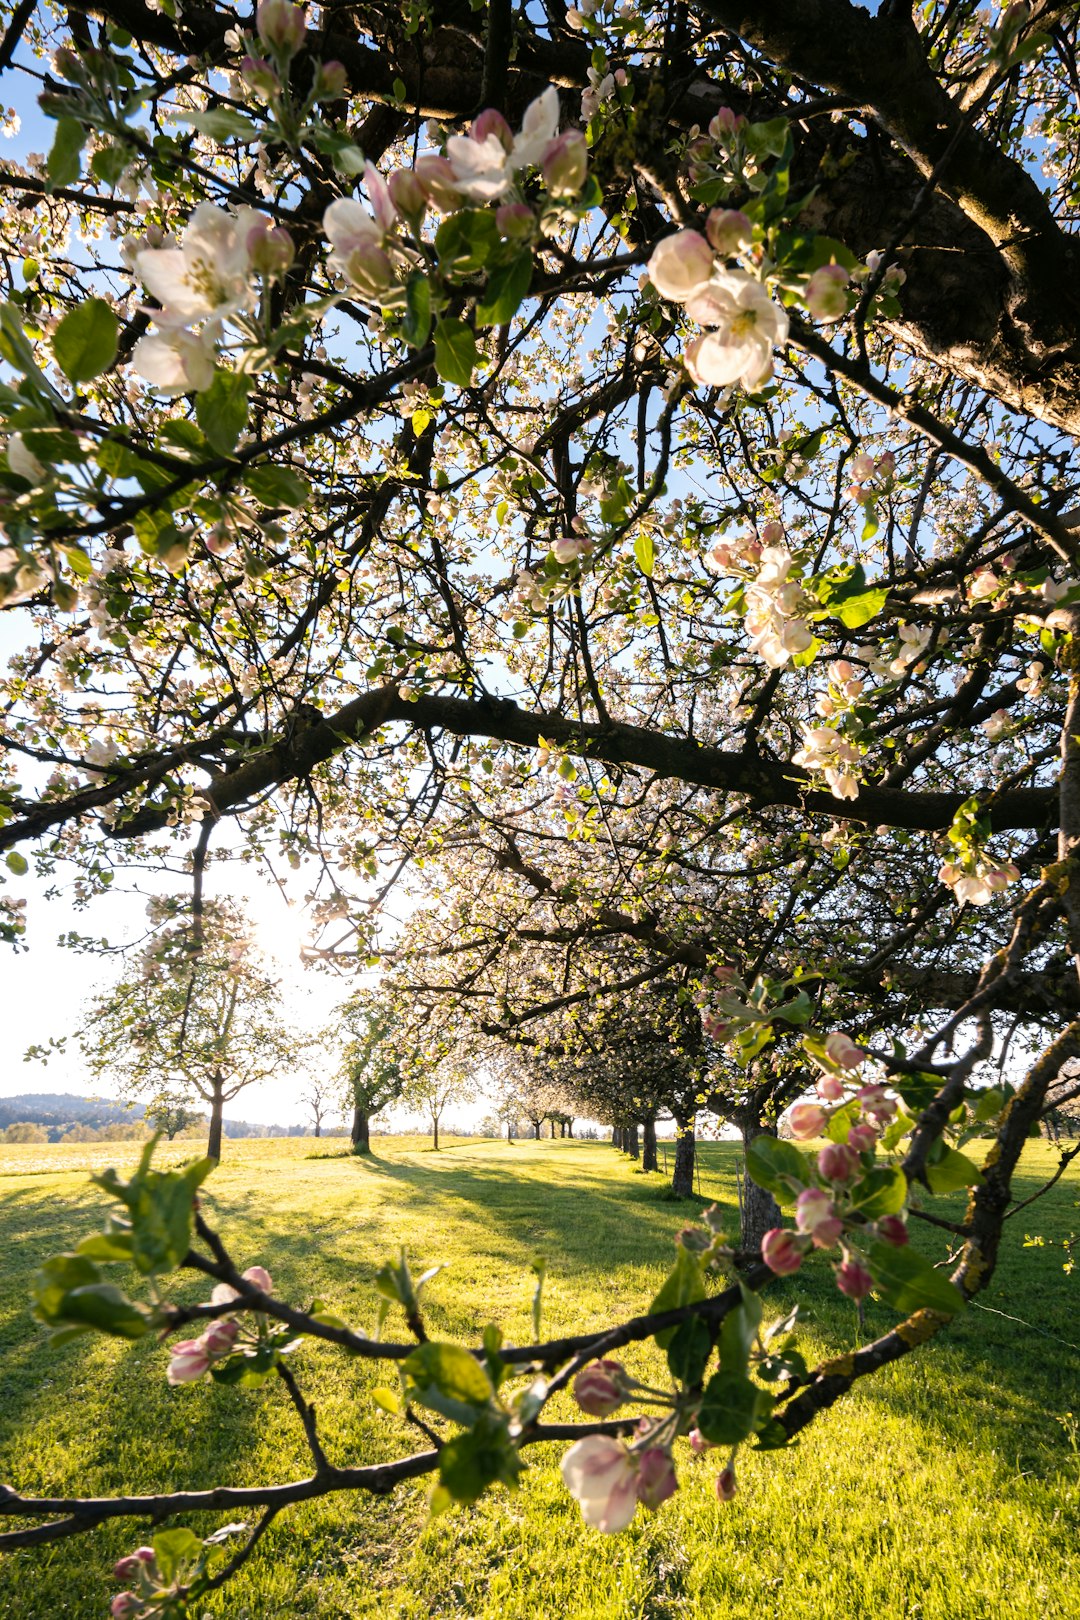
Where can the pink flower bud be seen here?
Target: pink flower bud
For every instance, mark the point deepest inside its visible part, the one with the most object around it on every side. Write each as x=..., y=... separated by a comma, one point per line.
x=782, y=1251
x=599, y=1389
x=565, y=164
x=816, y=1217
x=840, y=1048
x=270, y=249
x=407, y=194
x=729, y=231
x=332, y=80
x=698, y=1442
x=826, y=292
x=281, y=26
x=220, y=1336
x=837, y=1161
x=516, y=221
x=437, y=178
x=257, y=74
x=726, y=1484
x=370, y=269
x=893, y=1230
x=125, y=1605
x=830, y=1088
x=492, y=122
x=853, y=1279
x=656, y=1477
x=725, y=122
x=877, y=1104
x=125, y=1568
x=681, y=265
x=189, y=1361
x=806, y=1120
x=862, y=1138
x=258, y=1277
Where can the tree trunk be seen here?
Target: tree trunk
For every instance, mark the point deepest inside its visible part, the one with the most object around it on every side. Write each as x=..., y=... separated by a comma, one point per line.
x=435, y=1132
x=648, y=1156
x=536, y=1125
x=318, y=1127
x=570, y=1128
x=616, y=1137
x=213, y=1145
x=632, y=1145
x=760, y=1211
x=361, y=1130
x=682, y=1177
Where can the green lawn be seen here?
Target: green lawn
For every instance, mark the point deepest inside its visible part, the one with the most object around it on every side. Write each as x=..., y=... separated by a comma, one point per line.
x=946, y=1489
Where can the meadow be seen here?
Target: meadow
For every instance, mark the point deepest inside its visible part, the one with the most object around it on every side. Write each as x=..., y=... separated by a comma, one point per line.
x=947, y=1488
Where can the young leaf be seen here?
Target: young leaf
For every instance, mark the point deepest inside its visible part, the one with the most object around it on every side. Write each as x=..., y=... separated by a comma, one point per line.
x=505, y=290
x=222, y=409
x=908, y=1282
x=455, y=352
x=774, y=1165
x=84, y=343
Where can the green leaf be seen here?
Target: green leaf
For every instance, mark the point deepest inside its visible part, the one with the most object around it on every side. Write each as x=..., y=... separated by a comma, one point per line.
x=506, y=287
x=684, y=1285
x=221, y=123
x=455, y=352
x=731, y=1407
x=173, y=1549
x=908, y=1282
x=482, y=1456
x=952, y=1171
x=160, y=1204
x=689, y=1352
x=17, y=863
x=388, y=1399
x=278, y=486
x=738, y=1333
x=84, y=343
x=416, y=324
x=466, y=241
x=883, y=1191
x=859, y=610
x=65, y=158
x=449, y=1370
x=644, y=553
x=69, y=1294
x=841, y=1121
x=771, y=1163
x=222, y=410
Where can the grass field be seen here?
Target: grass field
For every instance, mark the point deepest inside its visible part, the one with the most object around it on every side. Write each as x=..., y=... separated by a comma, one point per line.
x=946, y=1489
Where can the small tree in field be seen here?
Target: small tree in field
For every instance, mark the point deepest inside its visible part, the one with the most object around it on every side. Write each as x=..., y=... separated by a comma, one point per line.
x=202, y=1015
x=171, y=1112
x=371, y=1066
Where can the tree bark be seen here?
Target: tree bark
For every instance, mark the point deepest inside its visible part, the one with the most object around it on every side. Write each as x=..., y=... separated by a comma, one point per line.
x=570, y=1129
x=361, y=1130
x=631, y=1141
x=760, y=1212
x=682, y=1177
x=435, y=1131
x=213, y=1145
x=649, y=1160
x=616, y=1137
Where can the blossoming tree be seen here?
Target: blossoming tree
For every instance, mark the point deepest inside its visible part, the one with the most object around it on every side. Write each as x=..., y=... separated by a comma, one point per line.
x=663, y=475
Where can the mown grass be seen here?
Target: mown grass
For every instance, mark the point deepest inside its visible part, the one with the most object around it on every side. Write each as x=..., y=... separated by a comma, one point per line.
x=948, y=1488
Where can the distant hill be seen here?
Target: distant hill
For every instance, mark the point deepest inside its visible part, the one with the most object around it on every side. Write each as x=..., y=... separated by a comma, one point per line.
x=56, y=1111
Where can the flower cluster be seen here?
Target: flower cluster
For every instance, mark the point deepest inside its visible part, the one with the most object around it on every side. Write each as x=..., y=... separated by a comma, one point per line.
x=976, y=879
x=192, y=1359
x=825, y=749
x=209, y=276
x=743, y=323
x=608, y=1478
x=872, y=477
x=776, y=604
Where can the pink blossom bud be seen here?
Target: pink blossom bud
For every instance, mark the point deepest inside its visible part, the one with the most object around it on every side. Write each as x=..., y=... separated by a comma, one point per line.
x=125, y=1568
x=599, y=1389
x=826, y=292
x=726, y=1484
x=698, y=1442
x=877, y=1104
x=258, y=1277
x=853, y=1279
x=332, y=80
x=125, y=1605
x=257, y=74
x=725, y=122
x=893, y=1230
x=862, y=468
x=816, y=1217
x=782, y=1251
x=837, y=1162
x=189, y=1361
x=437, y=178
x=729, y=231
x=516, y=221
x=830, y=1088
x=840, y=1048
x=565, y=163
x=656, y=1477
x=492, y=122
x=806, y=1120
x=220, y=1336
x=281, y=26
x=886, y=465
x=407, y=194
x=681, y=265
x=862, y=1138
x=270, y=249
x=772, y=534
x=370, y=269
